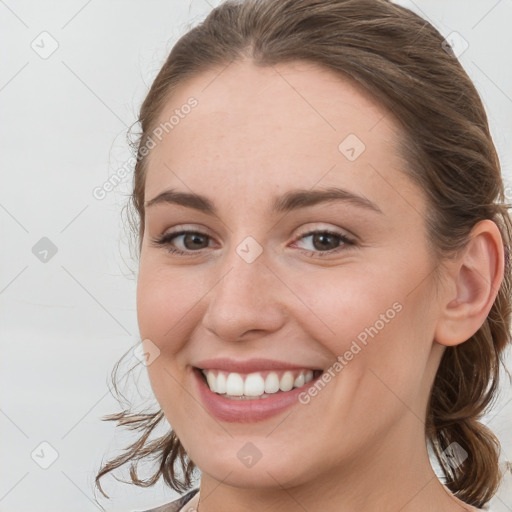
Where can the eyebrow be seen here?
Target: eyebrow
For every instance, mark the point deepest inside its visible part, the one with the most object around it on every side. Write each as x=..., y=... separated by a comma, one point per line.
x=290, y=201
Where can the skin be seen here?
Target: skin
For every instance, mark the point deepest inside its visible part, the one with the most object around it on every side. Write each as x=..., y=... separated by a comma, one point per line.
x=256, y=133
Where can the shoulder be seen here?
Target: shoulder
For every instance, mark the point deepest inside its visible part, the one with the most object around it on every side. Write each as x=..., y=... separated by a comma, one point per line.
x=174, y=506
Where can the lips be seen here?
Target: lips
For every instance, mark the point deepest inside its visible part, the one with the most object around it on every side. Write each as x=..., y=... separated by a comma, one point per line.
x=253, y=390
x=249, y=366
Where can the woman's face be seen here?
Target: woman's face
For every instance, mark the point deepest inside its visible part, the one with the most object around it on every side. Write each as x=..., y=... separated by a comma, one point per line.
x=278, y=281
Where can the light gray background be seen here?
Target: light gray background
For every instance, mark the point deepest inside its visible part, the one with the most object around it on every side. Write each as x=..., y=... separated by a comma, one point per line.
x=65, y=322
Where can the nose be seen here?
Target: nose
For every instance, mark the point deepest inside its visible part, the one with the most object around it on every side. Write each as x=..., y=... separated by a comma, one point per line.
x=248, y=300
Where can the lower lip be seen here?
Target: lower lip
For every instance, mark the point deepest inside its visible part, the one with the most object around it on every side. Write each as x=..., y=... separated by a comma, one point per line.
x=246, y=411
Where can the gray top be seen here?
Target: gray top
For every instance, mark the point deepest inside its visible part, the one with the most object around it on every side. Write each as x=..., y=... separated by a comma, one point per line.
x=174, y=506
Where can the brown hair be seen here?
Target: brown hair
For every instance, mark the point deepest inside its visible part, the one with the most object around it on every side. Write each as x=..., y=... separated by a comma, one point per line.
x=402, y=61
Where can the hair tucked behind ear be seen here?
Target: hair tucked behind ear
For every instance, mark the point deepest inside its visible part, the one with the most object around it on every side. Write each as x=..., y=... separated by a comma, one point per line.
x=400, y=59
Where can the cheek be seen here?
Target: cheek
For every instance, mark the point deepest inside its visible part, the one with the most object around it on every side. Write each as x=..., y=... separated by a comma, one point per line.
x=167, y=315
x=348, y=304
x=165, y=305
x=371, y=321
x=381, y=345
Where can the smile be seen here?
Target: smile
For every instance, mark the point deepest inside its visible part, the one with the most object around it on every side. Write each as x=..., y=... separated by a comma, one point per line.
x=256, y=391
x=256, y=385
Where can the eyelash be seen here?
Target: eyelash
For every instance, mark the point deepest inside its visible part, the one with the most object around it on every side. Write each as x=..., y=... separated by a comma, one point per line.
x=165, y=240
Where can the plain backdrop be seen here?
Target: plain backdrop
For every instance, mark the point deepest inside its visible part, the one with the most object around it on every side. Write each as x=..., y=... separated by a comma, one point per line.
x=73, y=75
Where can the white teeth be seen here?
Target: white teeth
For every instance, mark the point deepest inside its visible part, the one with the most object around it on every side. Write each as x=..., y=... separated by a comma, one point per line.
x=286, y=382
x=272, y=383
x=235, y=384
x=210, y=378
x=255, y=384
x=220, y=385
x=299, y=381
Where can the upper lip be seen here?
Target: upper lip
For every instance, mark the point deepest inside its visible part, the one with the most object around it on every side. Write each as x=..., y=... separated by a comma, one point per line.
x=249, y=365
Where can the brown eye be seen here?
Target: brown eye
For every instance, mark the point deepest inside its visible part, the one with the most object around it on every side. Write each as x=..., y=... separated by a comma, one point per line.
x=192, y=241
x=324, y=242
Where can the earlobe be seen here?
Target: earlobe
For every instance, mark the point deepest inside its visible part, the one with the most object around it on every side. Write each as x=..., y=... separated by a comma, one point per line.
x=475, y=278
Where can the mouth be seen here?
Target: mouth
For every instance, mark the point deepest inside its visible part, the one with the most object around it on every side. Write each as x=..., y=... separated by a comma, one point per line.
x=256, y=385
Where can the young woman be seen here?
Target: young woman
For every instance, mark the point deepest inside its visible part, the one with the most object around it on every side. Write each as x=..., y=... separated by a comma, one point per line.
x=324, y=288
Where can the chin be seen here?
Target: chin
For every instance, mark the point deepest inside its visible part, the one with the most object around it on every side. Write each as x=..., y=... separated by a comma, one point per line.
x=266, y=476
x=270, y=471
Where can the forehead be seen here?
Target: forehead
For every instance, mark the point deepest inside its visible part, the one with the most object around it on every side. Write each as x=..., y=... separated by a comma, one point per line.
x=262, y=130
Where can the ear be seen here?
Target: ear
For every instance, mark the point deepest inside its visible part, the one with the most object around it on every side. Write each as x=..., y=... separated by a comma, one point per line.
x=473, y=281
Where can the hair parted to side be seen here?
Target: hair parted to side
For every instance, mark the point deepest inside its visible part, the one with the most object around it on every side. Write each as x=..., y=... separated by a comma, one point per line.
x=399, y=58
